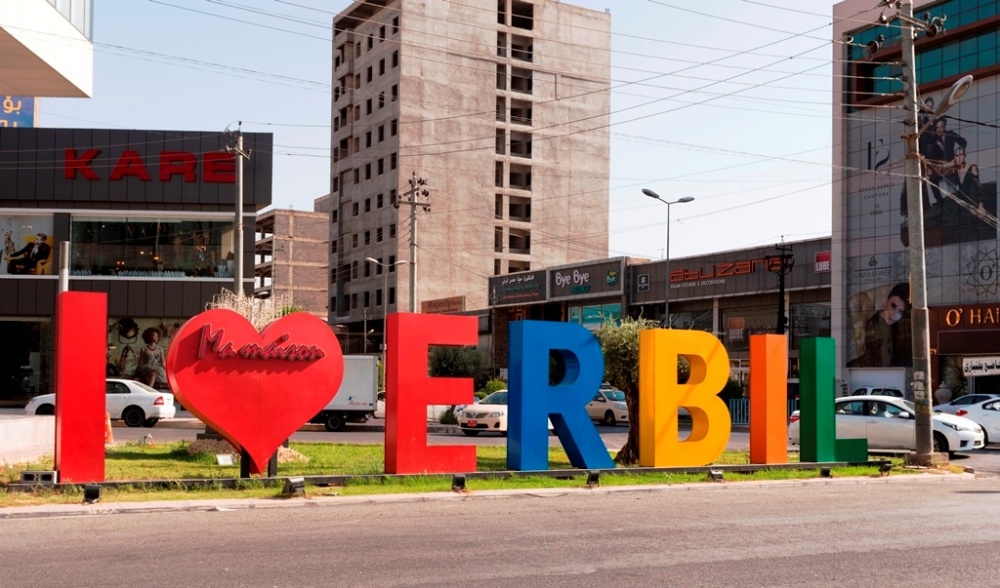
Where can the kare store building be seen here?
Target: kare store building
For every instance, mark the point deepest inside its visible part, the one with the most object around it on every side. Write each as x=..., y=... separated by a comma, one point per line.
x=149, y=217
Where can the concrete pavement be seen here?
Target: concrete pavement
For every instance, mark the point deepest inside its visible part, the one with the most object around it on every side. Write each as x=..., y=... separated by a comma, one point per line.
x=112, y=508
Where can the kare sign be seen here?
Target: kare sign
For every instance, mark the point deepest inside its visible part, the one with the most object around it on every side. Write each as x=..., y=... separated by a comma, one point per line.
x=214, y=167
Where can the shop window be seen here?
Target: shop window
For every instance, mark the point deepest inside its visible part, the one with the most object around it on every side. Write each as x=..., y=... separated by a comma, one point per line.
x=28, y=245
x=146, y=247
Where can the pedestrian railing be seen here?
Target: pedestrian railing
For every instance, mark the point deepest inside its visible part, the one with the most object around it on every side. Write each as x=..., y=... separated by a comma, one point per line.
x=739, y=408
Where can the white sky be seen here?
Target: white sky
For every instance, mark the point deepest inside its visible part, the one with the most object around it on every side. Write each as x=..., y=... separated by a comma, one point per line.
x=726, y=101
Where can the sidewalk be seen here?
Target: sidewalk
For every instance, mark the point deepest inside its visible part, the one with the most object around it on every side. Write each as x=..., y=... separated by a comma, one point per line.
x=228, y=504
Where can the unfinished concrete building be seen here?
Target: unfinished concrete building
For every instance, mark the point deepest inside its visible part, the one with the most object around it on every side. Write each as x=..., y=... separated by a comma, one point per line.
x=487, y=123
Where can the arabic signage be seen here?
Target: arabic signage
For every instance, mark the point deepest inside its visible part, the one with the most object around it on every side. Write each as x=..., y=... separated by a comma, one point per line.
x=17, y=111
x=520, y=288
x=587, y=280
x=981, y=366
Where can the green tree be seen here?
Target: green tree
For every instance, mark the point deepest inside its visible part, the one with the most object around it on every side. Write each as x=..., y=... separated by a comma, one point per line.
x=460, y=362
x=620, y=344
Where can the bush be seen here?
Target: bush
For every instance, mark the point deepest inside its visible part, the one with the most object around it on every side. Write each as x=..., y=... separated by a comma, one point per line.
x=491, y=387
x=448, y=417
x=731, y=390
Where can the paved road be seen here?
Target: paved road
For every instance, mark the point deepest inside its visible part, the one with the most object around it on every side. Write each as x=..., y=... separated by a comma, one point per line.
x=614, y=437
x=898, y=531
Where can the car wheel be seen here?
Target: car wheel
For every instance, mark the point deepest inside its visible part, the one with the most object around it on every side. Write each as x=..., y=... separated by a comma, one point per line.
x=470, y=432
x=940, y=444
x=45, y=409
x=133, y=416
x=609, y=419
x=986, y=437
x=149, y=423
x=334, y=422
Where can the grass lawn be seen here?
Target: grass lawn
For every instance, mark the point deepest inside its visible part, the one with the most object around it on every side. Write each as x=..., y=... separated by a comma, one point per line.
x=175, y=462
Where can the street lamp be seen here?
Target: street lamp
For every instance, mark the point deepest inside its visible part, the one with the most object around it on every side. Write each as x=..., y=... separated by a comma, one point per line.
x=385, y=300
x=923, y=419
x=666, y=296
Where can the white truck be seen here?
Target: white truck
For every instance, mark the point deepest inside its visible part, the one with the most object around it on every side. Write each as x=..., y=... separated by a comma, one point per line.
x=355, y=400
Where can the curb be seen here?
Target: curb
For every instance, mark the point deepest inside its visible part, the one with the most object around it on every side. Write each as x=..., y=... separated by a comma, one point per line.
x=231, y=504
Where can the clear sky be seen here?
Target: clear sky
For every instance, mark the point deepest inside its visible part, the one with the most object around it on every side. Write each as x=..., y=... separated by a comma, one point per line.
x=726, y=101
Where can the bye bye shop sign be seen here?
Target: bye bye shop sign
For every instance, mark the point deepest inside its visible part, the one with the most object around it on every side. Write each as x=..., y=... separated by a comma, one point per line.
x=596, y=279
x=257, y=388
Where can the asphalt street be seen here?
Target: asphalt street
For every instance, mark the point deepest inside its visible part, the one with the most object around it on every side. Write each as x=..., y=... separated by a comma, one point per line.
x=916, y=531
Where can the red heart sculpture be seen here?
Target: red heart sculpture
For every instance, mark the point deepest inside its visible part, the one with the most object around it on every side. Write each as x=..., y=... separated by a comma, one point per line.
x=255, y=389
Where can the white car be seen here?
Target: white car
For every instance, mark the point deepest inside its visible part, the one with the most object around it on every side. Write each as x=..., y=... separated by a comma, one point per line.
x=489, y=415
x=986, y=414
x=878, y=391
x=888, y=423
x=133, y=402
x=964, y=402
x=608, y=407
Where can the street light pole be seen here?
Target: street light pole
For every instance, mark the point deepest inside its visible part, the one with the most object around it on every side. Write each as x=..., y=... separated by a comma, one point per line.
x=923, y=418
x=385, y=301
x=666, y=305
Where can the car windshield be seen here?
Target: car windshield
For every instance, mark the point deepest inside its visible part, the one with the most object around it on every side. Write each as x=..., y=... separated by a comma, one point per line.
x=499, y=397
x=617, y=395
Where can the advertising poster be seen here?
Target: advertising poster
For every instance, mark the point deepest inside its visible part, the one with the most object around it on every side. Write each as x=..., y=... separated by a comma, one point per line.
x=959, y=156
x=137, y=348
x=27, y=245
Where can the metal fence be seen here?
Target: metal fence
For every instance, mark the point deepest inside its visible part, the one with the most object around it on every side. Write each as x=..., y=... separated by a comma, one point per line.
x=739, y=408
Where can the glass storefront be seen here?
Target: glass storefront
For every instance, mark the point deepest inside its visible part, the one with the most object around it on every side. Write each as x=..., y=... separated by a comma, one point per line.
x=594, y=316
x=25, y=345
x=151, y=247
x=808, y=320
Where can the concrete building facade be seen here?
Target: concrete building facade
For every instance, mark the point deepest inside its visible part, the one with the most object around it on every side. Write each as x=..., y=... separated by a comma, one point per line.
x=486, y=122
x=959, y=151
x=46, y=48
x=291, y=259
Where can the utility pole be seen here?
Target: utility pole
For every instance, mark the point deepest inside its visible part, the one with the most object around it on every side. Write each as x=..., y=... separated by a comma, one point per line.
x=238, y=226
x=416, y=189
x=915, y=226
x=920, y=385
x=494, y=299
x=781, y=264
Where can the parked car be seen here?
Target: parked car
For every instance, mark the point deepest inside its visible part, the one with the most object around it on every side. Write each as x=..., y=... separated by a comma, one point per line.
x=888, y=423
x=489, y=415
x=878, y=391
x=133, y=402
x=608, y=407
x=964, y=402
x=986, y=414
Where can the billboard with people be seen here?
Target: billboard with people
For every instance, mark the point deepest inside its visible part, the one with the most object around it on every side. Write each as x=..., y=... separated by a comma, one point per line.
x=958, y=153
